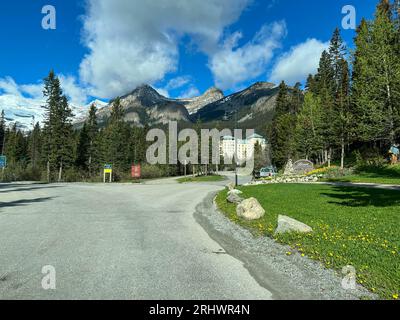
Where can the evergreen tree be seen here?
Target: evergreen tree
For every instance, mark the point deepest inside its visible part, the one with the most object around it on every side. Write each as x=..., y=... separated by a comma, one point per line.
x=35, y=146
x=281, y=132
x=260, y=157
x=297, y=98
x=343, y=121
x=58, y=134
x=115, y=140
x=311, y=84
x=308, y=129
x=2, y=132
x=324, y=88
x=93, y=129
x=341, y=117
x=82, y=150
x=282, y=101
x=337, y=52
x=16, y=147
x=283, y=145
x=376, y=81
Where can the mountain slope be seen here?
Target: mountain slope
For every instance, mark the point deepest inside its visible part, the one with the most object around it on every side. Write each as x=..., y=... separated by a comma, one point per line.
x=25, y=116
x=193, y=105
x=144, y=105
x=249, y=108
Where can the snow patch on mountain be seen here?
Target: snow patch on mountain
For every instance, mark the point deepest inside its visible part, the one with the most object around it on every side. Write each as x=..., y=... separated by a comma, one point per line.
x=26, y=113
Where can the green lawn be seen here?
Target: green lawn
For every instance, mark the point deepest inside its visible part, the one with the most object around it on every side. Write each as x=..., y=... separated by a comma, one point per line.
x=213, y=178
x=384, y=175
x=352, y=226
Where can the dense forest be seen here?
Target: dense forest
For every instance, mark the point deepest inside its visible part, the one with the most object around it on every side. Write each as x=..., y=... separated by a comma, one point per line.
x=349, y=111
x=57, y=152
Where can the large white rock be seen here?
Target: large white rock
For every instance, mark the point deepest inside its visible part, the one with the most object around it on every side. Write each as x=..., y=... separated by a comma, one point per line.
x=287, y=224
x=235, y=191
x=231, y=186
x=234, y=198
x=250, y=209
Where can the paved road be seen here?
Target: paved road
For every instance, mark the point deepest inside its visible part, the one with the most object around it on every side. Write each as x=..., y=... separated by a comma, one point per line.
x=114, y=242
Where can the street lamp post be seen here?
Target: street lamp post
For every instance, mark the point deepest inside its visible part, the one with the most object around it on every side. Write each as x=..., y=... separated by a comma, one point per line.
x=236, y=152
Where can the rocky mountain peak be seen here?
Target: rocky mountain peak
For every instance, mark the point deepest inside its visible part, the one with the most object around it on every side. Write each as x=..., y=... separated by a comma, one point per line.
x=195, y=104
x=263, y=85
x=144, y=91
x=214, y=90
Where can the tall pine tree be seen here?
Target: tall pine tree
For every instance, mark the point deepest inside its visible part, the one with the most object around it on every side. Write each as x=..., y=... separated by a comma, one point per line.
x=58, y=133
x=2, y=132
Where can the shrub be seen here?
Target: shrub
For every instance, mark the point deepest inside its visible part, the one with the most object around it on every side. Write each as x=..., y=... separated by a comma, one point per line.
x=152, y=172
x=368, y=157
x=20, y=172
x=330, y=172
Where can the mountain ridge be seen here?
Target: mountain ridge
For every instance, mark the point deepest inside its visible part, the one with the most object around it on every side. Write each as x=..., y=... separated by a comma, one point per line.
x=146, y=106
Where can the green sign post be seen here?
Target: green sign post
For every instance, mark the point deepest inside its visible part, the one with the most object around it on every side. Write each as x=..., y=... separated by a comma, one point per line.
x=3, y=162
x=108, y=169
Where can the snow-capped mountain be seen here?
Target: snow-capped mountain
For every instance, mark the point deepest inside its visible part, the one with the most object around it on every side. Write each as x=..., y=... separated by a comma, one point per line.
x=27, y=115
x=81, y=113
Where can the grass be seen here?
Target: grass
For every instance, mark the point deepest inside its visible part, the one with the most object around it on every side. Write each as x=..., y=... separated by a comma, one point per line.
x=352, y=226
x=212, y=178
x=380, y=175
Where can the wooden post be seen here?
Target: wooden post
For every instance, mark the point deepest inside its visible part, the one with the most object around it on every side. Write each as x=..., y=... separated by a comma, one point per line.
x=48, y=171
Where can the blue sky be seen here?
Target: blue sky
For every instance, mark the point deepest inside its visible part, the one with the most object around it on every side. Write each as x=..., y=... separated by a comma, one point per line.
x=104, y=48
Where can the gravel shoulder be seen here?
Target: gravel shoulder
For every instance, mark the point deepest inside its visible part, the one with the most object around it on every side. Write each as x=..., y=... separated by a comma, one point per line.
x=287, y=277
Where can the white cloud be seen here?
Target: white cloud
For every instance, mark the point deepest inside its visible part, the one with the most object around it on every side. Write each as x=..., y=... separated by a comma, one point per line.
x=132, y=42
x=21, y=102
x=162, y=91
x=177, y=82
x=191, y=92
x=231, y=65
x=76, y=94
x=295, y=65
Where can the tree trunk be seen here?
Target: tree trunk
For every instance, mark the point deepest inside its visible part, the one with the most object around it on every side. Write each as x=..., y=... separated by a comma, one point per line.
x=342, y=155
x=389, y=99
x=90, y=166
x=48, y=171
x=60, y=172
x=329, y=157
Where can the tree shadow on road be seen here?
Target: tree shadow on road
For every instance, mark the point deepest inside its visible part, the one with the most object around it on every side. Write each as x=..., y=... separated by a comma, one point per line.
x=25, y=187
x=363, y=197
x=23, y=202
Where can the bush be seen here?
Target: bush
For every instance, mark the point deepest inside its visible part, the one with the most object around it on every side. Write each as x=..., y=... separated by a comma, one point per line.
x=152, y=172
x=368, y=157
x=330, y=172
x=73, y=175
x=20, y=172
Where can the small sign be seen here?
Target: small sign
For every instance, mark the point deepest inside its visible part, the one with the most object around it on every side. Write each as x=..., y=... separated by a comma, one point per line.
x=108, y=170
x=136, y=171
x=303, y=166
x=3, y=162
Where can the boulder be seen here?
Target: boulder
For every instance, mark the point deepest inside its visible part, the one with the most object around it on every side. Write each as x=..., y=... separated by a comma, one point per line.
x=235, y=191
x=234, y=198
x=231, y=186
x=250, y=209
x=287, y=224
